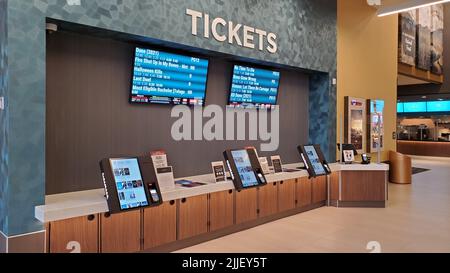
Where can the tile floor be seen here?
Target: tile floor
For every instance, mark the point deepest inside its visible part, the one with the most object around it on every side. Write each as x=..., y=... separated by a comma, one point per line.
x=417, y=220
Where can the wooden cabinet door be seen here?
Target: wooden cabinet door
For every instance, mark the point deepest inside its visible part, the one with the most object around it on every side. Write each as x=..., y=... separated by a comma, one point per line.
x=121, y=233
x=268, y=200
x=286, y=195
x=320, y=189
x=193, y=216
x=334, y=186
x=246, y=205
x=76, y=234
x=221, y=210
x=160, y=225
x=304, y=192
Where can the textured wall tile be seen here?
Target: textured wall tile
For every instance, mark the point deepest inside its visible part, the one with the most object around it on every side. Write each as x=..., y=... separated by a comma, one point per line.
x=306, y=39
x=3, y=118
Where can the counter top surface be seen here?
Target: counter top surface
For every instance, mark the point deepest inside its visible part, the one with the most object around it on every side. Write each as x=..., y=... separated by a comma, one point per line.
x=78, y=204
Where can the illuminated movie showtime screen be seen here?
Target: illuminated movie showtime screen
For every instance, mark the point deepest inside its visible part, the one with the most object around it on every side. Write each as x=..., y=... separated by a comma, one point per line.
x=166, y=78
x=253, y=87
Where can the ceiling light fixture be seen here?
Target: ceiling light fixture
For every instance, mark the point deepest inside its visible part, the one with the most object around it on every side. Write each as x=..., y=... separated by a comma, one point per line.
x=407, y=6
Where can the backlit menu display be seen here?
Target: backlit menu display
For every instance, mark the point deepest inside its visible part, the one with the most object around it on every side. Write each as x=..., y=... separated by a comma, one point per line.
x=252, y=87
x=166, y=78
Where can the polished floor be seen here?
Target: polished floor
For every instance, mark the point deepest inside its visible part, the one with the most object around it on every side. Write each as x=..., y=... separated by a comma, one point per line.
x=417, y=220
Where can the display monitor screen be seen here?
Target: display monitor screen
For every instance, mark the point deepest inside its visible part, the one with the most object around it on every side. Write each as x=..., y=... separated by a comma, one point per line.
x=129, y=183
x=400, y=107
x=438, y=106
x=254, y=88
x=166, y=78
x=415, y=107
x=313, y=157
x=244, y=168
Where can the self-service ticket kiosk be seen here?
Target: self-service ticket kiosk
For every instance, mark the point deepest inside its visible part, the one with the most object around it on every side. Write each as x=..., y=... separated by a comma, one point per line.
x=314, y=160
x=245, y=169
x=130, y=183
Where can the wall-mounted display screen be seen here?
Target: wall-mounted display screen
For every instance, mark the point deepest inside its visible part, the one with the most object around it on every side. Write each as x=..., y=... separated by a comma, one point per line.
x=254, y=87
x=166, y=78
x=438, y=106
x=400, y=107
x=129, y=183
x=415, y=107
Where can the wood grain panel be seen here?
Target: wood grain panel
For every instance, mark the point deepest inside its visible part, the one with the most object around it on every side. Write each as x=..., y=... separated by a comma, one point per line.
x=286, y=195
x=121, y=233
x=304, y=192
x=334, y=184
x=440, y=149
x=160, y=225
x=268, y=200
x=363, y=186
x=83, y=230
x=246, y=205
x=319, y=186
x=221, y=210
x=193, y=216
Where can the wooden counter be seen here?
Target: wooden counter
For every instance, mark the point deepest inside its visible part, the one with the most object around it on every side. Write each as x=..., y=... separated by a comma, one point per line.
x=190, y=216
x=359, y=188
x=424, y=148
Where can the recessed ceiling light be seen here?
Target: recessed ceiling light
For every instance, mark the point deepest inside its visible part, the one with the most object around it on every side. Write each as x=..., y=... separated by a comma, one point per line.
x=424, y=97
x=440, y=99
x=407, y=6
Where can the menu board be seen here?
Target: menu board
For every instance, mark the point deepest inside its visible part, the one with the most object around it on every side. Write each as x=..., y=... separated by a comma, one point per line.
x=129, y=183
x=252, y=87
x=166, y=78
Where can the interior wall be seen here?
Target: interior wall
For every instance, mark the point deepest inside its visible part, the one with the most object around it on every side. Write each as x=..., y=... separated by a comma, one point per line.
x=89, y=116
x=367, y=61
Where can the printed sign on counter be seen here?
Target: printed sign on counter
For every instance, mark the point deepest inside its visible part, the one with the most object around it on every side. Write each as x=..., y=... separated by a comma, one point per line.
x=165, y=178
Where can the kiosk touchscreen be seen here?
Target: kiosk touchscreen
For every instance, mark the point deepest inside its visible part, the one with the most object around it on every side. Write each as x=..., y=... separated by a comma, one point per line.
x=314, y=160
x=130, y=183
x=245, y=169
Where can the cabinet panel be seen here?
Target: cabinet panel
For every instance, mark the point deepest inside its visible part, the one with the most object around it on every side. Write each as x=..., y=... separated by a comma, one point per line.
x=286, y=195
x=304, y=192
x=363, y=186
x=319, y=189
x=246, y=205
x=121, y=233
x=193, y=216
x=160, y=225
x=221, y=210
x=268, y=199
x=334, y=186
x=82, y=230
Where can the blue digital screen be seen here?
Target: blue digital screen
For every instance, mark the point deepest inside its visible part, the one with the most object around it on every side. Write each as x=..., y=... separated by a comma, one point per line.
x=438, y=106
x=245, y=169
x=166, y=78
x=415, y=107
x=252, y=87
x=129, y=183
x=400, y=107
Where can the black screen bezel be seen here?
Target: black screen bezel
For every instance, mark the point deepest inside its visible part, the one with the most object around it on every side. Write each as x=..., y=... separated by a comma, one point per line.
x=229, y=104
x=181, y=53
